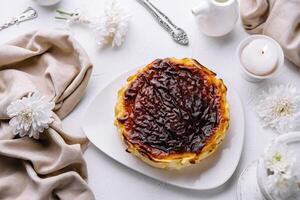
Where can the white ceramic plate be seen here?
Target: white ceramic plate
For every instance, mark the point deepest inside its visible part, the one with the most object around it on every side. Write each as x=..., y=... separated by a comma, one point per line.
x=98, y=124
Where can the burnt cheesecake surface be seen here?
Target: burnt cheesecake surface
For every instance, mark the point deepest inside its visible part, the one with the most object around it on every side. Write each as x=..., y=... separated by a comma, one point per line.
x=172, y=113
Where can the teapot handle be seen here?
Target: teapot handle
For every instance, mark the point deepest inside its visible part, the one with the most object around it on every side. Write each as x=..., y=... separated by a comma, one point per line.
x=202, y=9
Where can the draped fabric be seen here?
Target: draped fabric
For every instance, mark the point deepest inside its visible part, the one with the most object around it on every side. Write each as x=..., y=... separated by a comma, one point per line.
x=279, y=19
x=52, y=63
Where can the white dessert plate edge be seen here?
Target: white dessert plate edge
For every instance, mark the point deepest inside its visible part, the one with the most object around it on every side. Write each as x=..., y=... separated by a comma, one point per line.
x=98, y=125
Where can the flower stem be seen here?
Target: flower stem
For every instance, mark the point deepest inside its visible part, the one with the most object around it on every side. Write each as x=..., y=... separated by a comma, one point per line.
x=61, y=18
x=64, y=12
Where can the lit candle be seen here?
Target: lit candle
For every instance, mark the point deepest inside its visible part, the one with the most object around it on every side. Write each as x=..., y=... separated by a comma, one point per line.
x=260, y=57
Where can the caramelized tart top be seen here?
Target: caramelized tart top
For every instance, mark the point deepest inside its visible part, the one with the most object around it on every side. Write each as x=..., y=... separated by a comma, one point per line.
x=172, y=107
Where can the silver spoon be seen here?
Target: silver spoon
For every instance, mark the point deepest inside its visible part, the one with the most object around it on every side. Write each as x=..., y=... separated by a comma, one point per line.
x=28, y=14
x=178, y=34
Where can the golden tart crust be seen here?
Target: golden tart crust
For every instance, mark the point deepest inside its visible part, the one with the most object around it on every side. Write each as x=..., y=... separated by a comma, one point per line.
x=172, y=113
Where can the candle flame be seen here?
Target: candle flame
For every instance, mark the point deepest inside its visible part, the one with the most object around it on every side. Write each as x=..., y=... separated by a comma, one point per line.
x=264, y=49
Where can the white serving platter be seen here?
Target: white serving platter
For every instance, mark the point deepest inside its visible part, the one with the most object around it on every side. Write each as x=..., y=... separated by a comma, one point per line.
x=98, y=125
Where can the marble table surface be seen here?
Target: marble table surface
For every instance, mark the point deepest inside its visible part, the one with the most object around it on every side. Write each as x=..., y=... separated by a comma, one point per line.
x=147, y=41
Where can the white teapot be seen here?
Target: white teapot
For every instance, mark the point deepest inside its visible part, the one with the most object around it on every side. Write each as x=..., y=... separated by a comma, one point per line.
x=217, y=17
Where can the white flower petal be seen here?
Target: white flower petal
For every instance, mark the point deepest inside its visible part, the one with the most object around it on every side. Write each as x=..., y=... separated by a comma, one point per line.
x=281, y=161
x=112, y=26
x=279, y=108
x=30, y=115
x=281, y=187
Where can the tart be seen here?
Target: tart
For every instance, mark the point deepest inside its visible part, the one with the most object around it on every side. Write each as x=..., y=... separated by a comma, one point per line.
x=172, y=113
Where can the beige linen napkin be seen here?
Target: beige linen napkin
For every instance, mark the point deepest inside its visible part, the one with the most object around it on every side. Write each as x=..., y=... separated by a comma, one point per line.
x=52, y=167
x=279, y=19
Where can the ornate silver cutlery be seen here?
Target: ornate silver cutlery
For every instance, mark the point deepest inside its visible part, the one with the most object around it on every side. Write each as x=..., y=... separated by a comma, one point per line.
x=28, y=14
x=178, y=34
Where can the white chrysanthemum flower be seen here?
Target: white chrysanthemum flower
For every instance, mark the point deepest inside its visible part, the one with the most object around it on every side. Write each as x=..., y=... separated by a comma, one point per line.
x=279, y=159
x=282, y=186
x=112, y=26
x=30, y=115
x=280, y=162
x=279, y=107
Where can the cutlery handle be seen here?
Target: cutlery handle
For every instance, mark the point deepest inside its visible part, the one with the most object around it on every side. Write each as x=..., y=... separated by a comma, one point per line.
x=162, y=19
x=28, y=14
x=178, y=34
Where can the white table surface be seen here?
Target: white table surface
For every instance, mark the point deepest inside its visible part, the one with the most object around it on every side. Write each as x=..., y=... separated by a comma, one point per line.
x=147, y=41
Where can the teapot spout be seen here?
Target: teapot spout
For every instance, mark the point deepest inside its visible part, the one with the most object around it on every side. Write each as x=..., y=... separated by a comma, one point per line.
x=202, y=9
